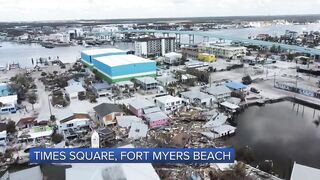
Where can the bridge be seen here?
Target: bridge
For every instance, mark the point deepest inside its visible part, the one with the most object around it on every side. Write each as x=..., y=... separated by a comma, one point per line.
x=207, y=35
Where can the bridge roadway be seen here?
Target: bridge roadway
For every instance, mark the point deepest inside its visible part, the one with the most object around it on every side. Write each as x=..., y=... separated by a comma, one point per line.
x=311, y=51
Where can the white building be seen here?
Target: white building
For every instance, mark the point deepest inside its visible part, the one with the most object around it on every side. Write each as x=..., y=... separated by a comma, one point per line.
x=219, y=92
x=223, y=50
x=304, y=172
x=172, y=57
x=152, y=46
x=73, y=125
x=196, y=96
x=168, y=103
x=74, y=90
x=8, y=104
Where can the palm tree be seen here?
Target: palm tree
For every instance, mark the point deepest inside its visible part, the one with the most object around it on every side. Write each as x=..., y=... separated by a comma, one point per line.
x=32, y=99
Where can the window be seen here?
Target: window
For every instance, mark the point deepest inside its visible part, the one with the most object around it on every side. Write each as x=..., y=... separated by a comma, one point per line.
x=70, y=125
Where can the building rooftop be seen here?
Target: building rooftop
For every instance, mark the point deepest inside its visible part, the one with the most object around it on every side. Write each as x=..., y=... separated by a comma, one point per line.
x=121, y=60
x=100, y=86
x=229, y=105
x=104, y=109
x=167, y=99
x=74, y=89
x=138, y=130
x=8, y=99
x=218, y=90
x=92, y=52
x=141, y=103
x=224, y=129
x=147, y=80
x=195, y=95
x=126, y=121
x=156, y=116
x=235, y=85
x=304, y=172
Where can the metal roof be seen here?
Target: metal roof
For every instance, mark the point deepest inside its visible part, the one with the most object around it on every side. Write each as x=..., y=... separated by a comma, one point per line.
x=102, y=51
x=235, y=85
x=141, y=103
x=218, y=90
x=121, y=60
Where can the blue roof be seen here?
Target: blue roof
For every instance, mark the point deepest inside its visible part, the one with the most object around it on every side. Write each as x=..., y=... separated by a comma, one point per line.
x=235, y=85
x=4, y=89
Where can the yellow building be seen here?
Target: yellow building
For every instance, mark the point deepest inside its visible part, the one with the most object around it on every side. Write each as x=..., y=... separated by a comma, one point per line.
x=206, y=57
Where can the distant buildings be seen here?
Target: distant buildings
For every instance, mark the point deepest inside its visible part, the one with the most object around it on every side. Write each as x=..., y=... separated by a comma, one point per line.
x=115, y=65
x=154, y=46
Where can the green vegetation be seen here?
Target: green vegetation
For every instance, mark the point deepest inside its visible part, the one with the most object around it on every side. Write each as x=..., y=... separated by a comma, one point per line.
x=11, y=127
x=32, y=99
x=56, y=138
x=20, y=85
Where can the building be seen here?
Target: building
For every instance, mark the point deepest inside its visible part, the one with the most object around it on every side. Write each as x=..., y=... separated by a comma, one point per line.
x=219, y=92
x=106, y=113
x=73, y=82
x=36, y=133
x=190, y=52
x=114, y=65
x=124, y=67
x=127, y=121
x=88, y=55
x=8, y=104
x=236, y=86
x=101, y=89
x=147, y=83
x=26, y=123
x=74, y=125
x=223, y=50
x=172, y=58
x=224, y=130
x=154, y=46
x=73, y=91
x=168, y=103
x=112, y=171
x=137, y=106
x=304, y=172
x=138, y=130
x=156, y=119
x=206, y=57
x=196, y=97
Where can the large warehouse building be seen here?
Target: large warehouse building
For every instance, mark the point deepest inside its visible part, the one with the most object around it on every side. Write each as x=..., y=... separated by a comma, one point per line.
x=88, y=55
x=115, y=65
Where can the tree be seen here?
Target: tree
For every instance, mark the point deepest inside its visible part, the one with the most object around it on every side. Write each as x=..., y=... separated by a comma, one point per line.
x=32, y=99
x=43, y=74
x=56, y=138
x=11, y=127
x=266, y=166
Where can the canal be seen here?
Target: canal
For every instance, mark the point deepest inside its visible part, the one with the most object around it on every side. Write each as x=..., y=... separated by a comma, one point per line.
x=280, y=132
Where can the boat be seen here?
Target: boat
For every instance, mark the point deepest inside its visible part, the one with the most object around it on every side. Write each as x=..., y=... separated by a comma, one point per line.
x=48, y=46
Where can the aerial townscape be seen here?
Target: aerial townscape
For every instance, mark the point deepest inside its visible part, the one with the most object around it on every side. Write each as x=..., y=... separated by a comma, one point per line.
x=251, y=83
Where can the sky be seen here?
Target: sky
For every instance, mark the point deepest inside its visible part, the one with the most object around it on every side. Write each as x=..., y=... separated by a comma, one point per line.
x=39, y=10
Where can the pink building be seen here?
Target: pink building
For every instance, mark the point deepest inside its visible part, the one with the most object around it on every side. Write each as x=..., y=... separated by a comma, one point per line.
x=138, y=106
x=157, y=119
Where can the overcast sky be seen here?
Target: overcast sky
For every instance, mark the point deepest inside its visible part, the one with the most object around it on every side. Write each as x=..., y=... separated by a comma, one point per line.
x=35, y=10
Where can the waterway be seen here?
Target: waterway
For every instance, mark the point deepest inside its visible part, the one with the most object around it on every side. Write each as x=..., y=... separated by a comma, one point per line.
x=280, y=132
x=22, y=53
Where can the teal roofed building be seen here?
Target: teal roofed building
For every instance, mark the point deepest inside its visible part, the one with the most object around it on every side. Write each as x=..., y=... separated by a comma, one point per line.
x=116, y=65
